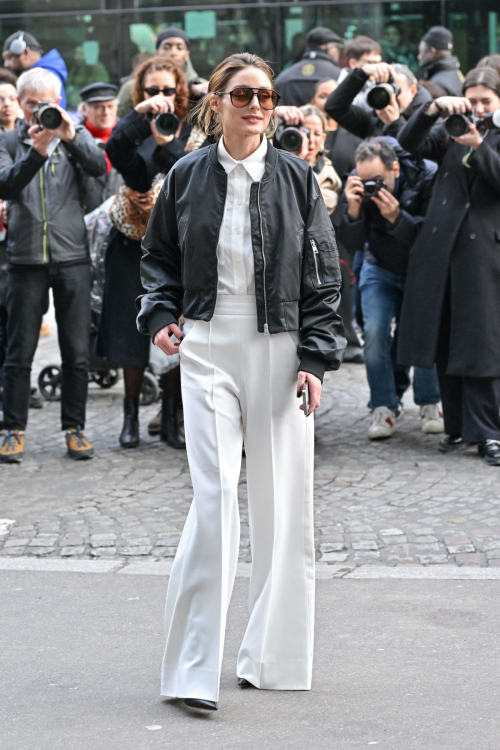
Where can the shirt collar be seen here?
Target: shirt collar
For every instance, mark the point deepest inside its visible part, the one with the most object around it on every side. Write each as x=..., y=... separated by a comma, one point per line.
x=254, y=164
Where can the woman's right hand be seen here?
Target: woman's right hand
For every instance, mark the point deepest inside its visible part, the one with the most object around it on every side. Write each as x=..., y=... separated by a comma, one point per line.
x=163, y=341
x=449, y=105
x=155, y=105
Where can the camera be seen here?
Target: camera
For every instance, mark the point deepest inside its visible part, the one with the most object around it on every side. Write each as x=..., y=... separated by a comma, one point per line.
x=372, y=187
x=379, y=97
x=290, y=137
x=166, y=122
x=458, y=124
x=47, y=116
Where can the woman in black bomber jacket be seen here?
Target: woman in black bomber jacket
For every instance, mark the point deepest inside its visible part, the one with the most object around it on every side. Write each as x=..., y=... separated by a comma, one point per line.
x=240, y=241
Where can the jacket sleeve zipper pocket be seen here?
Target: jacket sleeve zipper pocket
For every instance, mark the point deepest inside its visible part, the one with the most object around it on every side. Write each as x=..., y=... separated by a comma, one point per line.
x=316, y=261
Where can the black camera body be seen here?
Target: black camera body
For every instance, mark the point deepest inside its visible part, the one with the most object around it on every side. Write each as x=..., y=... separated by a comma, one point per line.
x=379, y=96
x=166, y=122
x=372, y=187
x=290, y=137
x=458, y=124
x=47, y=116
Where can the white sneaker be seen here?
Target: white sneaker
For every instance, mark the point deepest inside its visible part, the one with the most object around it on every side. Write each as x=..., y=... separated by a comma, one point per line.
x=432, y=419
x=383, y=423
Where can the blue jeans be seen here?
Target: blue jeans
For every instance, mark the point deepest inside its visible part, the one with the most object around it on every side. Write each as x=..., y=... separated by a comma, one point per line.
x=381, y=298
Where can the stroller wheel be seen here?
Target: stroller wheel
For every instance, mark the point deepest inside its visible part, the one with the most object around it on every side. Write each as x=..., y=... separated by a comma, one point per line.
x=105, y=378
x=150, y=391
x=49, y=383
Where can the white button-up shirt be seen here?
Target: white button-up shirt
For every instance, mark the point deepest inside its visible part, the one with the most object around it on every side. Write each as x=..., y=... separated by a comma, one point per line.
x=234, y=251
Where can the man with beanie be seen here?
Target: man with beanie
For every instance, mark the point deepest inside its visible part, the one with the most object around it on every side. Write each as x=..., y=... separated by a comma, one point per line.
x=172, y=43
x=296, y=84
x=437, y=63
x=22, y=51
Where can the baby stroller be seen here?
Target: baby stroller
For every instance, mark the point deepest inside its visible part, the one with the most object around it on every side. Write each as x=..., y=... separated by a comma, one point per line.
x=105, y=374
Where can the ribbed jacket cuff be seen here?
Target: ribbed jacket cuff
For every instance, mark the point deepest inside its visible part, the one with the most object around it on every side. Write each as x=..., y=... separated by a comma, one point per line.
x=158, y=320
x=313, y=364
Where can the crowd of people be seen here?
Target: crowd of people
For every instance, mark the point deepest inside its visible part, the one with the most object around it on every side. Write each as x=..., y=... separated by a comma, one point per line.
x=407, y=160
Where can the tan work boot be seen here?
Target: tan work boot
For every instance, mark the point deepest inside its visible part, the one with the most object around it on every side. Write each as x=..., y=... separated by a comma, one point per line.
x=78, y=445
x=12, y=450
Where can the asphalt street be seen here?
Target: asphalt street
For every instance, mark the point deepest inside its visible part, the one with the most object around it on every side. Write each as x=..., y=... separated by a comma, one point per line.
x=399, y=665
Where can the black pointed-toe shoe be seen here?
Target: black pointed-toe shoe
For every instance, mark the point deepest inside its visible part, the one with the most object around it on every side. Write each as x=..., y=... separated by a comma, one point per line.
x=490, y=452
x=244, y=683
x=452, y=443
x=200, y=703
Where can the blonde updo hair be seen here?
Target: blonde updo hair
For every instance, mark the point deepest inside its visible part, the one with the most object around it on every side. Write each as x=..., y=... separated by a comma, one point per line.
x=309, y=110
x=204, y=116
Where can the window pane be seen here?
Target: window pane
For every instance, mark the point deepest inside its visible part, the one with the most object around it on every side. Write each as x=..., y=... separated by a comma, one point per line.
x=476, y=29
x=88, y=44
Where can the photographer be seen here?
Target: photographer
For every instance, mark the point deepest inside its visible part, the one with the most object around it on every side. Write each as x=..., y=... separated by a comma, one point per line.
x=143, y=156
x=46, y=249
x=405, y=98
x=384, y=205
x=451, y=310
x=320, y=60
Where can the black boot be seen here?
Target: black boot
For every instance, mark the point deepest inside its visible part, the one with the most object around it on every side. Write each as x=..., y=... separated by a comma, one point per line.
x=130, y=432
x=169, y=431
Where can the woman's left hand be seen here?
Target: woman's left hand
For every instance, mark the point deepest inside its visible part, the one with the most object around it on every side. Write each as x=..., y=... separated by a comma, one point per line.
x=473, y=138
x=315, y=388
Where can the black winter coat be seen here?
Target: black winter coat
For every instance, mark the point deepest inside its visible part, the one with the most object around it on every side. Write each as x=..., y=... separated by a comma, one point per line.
x=445, y=73
x=459, y=247
x=362, y=122
x=296, y=84
x=297, y=274
x=134, y=153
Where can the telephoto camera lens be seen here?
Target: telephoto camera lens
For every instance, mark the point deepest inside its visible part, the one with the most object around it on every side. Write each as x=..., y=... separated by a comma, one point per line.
x=291, y=138
x=458, y=124
x=379, y=97
x=166, y=123
x=48, y=117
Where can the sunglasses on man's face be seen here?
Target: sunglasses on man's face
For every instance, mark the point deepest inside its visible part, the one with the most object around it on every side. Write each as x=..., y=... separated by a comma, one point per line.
x=155, y=90
x=241, y=96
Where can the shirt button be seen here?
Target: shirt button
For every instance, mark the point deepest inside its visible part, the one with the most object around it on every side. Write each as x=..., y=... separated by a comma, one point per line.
x=467, y=205
x=445, y=175
x=240, y=289
x=237, y=231
x=434, y=230
x=445, y=202
x=239, y=203
x=473, y=236
x=238, y=260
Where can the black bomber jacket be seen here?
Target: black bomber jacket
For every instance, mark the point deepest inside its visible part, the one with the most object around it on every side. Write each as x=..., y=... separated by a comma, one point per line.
x=297, y=274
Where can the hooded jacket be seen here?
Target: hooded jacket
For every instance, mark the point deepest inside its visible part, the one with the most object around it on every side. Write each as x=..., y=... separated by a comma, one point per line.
x=445, y=72
x=297, y=273
x=388, y=245
x=53, y=61
x=359, y=121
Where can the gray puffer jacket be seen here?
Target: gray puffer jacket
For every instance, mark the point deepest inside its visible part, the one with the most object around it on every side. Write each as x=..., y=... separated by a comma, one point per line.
x=45, y=213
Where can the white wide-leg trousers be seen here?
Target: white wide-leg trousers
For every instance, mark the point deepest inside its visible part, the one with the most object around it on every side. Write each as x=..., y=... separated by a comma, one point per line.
x=240, y=384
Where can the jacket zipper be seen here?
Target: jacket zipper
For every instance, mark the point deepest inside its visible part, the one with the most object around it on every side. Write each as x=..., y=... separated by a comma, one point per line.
x=44, y=216
x=266, y=324
x=217, y=245
x=315, y=256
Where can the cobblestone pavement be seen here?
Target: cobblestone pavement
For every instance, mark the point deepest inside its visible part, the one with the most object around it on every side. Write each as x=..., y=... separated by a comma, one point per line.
x=397, y=502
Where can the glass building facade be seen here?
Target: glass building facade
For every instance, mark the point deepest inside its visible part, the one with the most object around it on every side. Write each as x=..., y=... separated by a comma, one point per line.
x=99, y=39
